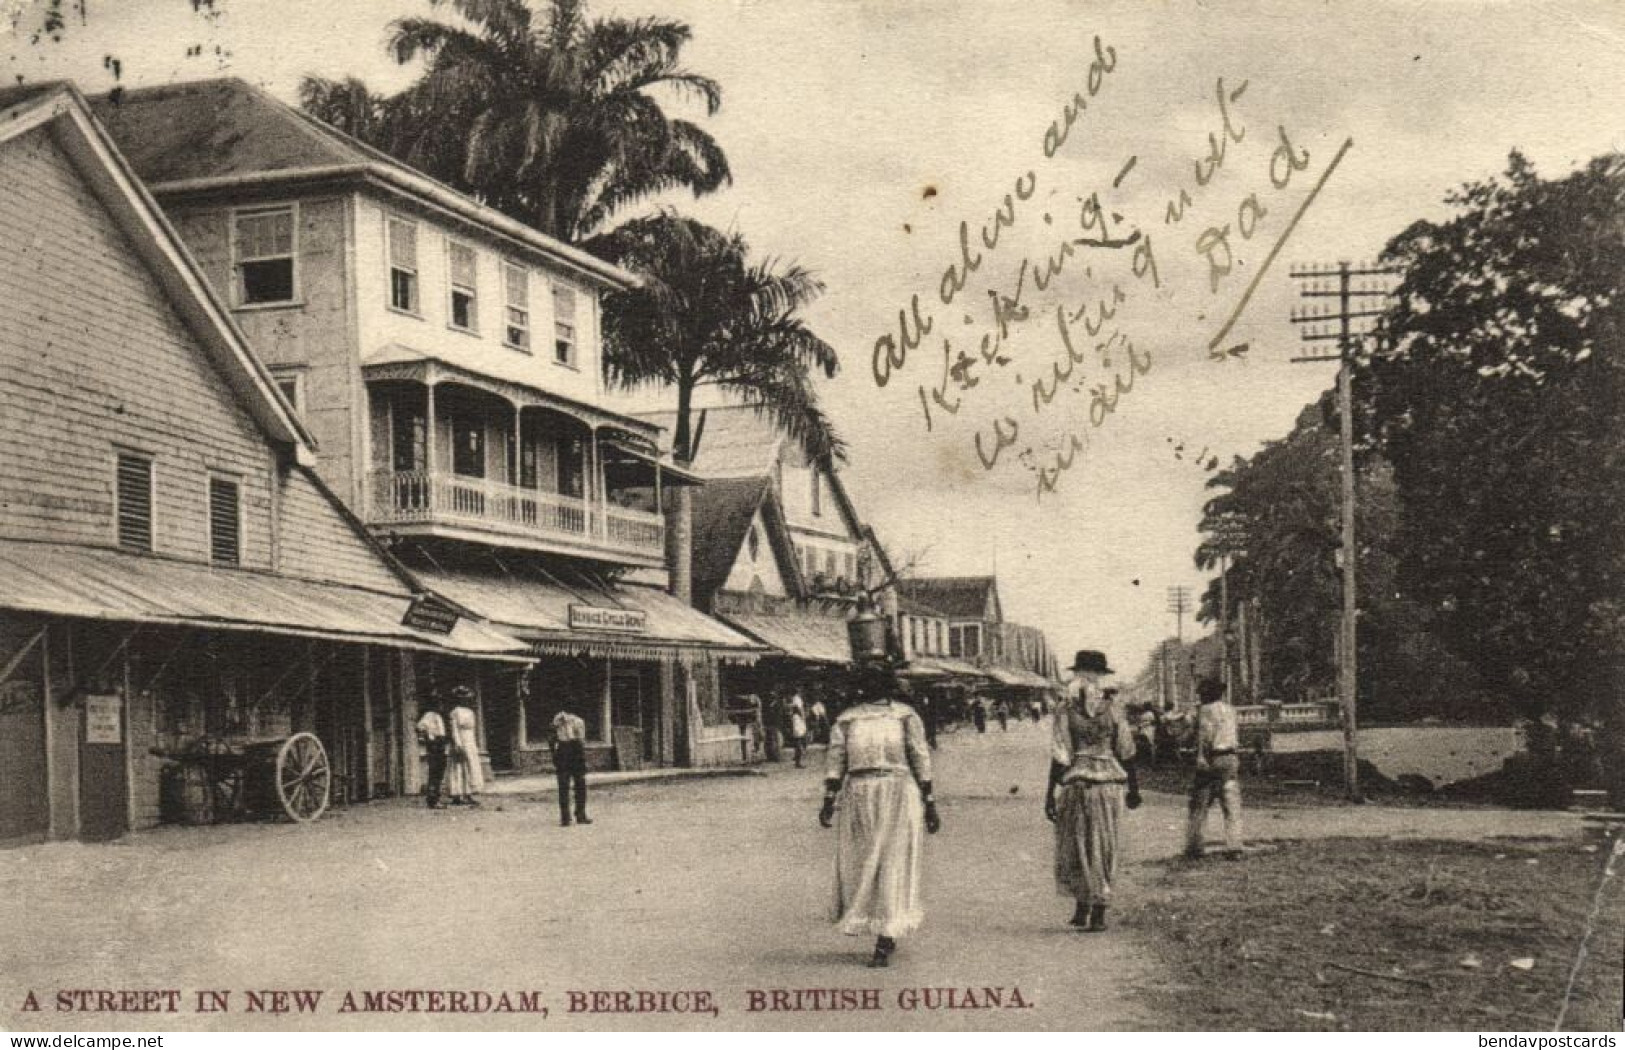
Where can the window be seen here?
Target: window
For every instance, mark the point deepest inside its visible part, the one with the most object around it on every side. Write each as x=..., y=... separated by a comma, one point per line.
x=972, y=643
x=468, y=446
x=817, y=494
x=291, y=384
x=134, y=508
x=225, y=522
x=465, y=312
x=850, y=561
x=755, y=543
x=516, y=280
x=564, y=326
x=403, y=265
x=263, y=241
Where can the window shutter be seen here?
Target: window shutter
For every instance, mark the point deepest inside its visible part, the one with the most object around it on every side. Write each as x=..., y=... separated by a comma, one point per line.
x=134, y=502
x=225, y=524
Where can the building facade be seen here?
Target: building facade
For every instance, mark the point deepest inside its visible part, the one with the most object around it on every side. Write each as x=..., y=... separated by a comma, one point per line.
x=176, y=575
x=446, y=360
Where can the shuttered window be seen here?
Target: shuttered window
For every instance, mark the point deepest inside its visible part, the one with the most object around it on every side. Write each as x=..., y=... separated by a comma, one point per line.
x=517, y=331
x=134, y=502
x=403, y=265
x=465, y=311
x=564, y=325
x=225, y=522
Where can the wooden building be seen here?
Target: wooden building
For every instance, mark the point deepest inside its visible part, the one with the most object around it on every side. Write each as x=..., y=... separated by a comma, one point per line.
x=175, y=574
x=446, y=359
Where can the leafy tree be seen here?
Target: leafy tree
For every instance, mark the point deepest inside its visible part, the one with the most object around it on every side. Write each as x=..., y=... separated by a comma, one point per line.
x=1497, y=399
x=707, y=316
x=553, y=120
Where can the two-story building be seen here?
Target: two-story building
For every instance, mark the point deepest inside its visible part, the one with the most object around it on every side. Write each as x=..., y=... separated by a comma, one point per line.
x=446, y=359
x=176, y=577
x=954, y=626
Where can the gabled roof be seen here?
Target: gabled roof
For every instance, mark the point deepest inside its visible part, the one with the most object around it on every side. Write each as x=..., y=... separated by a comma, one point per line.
x=723, y=511
x=213, y=135
x=63, y=111
x=736, y=441
x=953, y=597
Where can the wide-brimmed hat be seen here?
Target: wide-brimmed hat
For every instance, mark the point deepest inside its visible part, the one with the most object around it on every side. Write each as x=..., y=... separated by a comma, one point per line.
x=1091, y=661
x=462, y=692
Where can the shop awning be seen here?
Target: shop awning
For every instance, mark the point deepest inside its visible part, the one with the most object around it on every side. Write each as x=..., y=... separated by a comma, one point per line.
x=1005, y=677
x=582, y=615
x=98, y=583
x=959, y=668
x=816, y=639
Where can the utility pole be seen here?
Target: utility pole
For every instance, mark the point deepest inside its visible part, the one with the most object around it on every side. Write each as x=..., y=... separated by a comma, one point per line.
x=1360, y=293
x=1179, y=599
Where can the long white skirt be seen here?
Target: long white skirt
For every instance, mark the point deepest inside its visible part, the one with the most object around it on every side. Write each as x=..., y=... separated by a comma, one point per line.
x=880, y=836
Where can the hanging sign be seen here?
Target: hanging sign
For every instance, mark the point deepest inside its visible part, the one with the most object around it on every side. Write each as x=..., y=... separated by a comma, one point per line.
x=594, y=618
x=104, y=720
x=432, y=613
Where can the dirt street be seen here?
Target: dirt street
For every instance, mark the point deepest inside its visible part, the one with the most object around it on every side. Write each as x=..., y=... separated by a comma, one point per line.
x=713, y=885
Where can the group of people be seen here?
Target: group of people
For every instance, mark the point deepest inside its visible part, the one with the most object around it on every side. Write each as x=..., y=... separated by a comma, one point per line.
x=452, y=747
x=787, y=719
x=878, y=794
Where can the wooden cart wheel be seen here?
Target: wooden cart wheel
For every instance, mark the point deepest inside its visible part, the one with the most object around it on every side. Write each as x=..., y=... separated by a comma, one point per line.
x=304, y=780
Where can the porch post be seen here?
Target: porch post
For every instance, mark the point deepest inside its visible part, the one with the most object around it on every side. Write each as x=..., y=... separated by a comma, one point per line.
x=428, y=442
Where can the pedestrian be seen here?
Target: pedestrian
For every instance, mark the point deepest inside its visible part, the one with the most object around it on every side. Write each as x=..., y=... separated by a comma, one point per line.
x=818, y=714
x=570, y=765
x=773, y=722
x=978, y=714
x=1092, y=757
x=880, y=769
x=796, y=710
x=1035, y=711
x=464, y=776
x=929, y=714
x=1002, y=713
x=431, y=730
x=1218, y=771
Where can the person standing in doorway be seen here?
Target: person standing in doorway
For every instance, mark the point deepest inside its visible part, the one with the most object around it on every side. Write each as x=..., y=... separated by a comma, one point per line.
x=1091, y=758
x=570, y=765
x=431, y=731
x=466, y=777
x=1218, y=771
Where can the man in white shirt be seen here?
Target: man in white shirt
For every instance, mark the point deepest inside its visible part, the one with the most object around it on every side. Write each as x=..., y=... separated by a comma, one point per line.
x=431, y=730
x=1218, y=771
x=570, y=765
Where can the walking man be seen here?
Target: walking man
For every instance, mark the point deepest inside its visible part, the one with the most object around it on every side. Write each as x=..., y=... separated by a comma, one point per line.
x=570, y=765
x=431, y=730
x=1218, y=771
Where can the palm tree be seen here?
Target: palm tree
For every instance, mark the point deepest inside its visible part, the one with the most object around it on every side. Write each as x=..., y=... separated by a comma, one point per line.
x=706, y=316
x=559, y=124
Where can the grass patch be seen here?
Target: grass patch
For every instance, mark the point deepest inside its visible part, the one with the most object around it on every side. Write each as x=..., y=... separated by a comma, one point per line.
x=1362, y=934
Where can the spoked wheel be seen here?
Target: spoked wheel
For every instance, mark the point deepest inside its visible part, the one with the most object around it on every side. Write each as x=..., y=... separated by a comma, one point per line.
x=304, y=780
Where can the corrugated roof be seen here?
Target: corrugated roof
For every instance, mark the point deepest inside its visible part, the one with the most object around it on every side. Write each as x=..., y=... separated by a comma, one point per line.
x=818, y=639
x=99, y=583
x=538, y=609
x=956, y=597
x=735, y=440
x=723, y=510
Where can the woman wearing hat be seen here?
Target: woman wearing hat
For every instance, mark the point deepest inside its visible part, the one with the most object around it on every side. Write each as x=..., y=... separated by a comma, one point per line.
x=880, y=768
x=464, y=776
x=1092, y=758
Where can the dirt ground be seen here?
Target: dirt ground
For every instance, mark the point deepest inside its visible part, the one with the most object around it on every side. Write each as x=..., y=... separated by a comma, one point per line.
x=722, y=886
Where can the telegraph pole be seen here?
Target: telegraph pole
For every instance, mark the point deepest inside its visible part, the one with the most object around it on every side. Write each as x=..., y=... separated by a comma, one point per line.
x=1360, y=293
x=1179, y=603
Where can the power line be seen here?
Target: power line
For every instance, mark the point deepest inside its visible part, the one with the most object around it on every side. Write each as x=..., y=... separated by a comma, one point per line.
x=1360, y=294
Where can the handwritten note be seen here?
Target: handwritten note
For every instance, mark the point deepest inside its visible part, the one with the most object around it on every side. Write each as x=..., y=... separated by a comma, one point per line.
x=1055, y=322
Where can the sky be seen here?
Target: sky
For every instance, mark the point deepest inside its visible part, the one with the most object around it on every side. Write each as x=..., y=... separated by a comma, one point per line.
x=863, y=133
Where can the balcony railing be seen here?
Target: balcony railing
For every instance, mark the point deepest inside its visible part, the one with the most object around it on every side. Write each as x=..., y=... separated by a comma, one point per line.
x=424, y=497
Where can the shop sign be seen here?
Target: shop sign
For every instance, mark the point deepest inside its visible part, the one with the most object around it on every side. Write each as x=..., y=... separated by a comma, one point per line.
x=430, y=612
x=104, y=720
x=594, y=618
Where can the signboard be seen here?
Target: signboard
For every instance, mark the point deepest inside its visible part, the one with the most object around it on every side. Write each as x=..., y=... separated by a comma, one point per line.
x=104, y=720
x=593, y=618
x=432, y=613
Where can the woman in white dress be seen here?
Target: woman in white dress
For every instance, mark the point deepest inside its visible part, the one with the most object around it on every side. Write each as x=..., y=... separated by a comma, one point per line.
x=463, y=774
x=879, y=769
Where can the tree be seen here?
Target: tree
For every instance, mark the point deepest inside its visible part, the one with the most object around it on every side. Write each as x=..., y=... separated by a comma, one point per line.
x=557, y=124
x=1497, y=399
x=706, y=315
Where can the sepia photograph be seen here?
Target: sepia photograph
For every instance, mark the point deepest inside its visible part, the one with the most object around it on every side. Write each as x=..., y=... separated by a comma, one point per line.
x=722, y=516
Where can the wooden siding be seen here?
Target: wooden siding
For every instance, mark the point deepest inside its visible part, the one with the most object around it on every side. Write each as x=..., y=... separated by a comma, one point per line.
x=93, y=357
x=319, y=544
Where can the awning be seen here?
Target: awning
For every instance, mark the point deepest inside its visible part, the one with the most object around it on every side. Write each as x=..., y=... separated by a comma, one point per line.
x=816, y=639
x=98, y=583
x=580, y=615
x=1004, y=677
x=959, y=668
